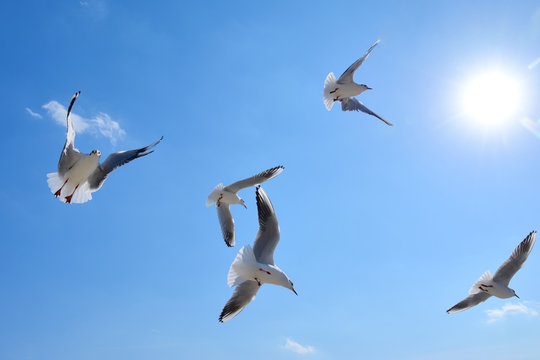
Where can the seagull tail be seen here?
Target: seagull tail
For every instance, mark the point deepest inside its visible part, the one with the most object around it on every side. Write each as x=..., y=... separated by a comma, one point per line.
x=243, y=262
x=81, y=195
x=212, y=198
x=329, y=85
x=486, y=277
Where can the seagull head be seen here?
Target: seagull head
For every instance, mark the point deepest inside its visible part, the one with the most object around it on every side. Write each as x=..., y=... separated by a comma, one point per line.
x=243, y=203
x=365, y=87
x=96, y=153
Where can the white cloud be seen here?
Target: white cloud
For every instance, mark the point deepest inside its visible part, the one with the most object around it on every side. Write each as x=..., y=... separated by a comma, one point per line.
x=102, y=123
x=292, y=345
x=36, y=115
x=534, y=64
x=510, y=309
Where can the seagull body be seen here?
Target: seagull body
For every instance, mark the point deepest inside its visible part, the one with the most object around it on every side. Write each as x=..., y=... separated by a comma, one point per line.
x=497, y=285
x=255, y=266
x=344, y=89
x=224, y=196
x=79, y=175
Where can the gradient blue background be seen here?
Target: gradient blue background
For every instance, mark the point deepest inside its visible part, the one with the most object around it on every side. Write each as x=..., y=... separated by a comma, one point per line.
x=382, y=228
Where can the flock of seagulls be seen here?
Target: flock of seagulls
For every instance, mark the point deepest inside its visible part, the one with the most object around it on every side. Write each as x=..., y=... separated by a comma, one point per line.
x=79, y=175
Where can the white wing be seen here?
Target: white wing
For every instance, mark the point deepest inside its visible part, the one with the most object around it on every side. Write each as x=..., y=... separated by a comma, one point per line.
x=113, y=161
x=511, y=266
x=347, y=76
x=468, y=302
x=255, y=179
x=69, y=155
x=242, y=296
x=352, y=104
x=268, y=235
x=227, y=223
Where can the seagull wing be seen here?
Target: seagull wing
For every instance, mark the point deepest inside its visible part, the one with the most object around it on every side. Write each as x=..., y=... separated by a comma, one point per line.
x=353, y=104
x=347, y=76
x=510, y=267
x=469, y=302
x=255, y=179
x=227, y=223
x=267, y=237
x=242, y=296
x=113, y=161
x=69, y=155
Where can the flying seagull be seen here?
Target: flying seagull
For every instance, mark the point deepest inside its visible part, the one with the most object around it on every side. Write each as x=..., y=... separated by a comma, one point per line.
x=254, y=267
x=79, y=175
x=345, y=88
x=497, y=284
x=223, y=196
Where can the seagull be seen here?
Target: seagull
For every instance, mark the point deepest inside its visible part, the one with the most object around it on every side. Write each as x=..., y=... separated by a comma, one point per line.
x=254, y=267
x=79, y=175
x=345, y=88
x=497, y=284
x=223, y=196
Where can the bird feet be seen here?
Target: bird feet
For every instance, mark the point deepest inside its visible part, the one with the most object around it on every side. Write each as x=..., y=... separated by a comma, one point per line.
x=258, y=282
x=68, y=199
x=57, y=194
x=268, y=272
x=333, y=91
x=484, y=285
x=218, y=202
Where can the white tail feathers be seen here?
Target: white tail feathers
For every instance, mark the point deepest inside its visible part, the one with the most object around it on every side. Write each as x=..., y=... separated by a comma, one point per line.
x=241, y=265
x=484, y=279
x=329, y=85
x=212, y=198
x=81, y=195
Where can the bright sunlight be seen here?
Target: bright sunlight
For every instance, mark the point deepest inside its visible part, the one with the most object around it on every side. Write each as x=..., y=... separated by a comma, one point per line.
x=492, y=98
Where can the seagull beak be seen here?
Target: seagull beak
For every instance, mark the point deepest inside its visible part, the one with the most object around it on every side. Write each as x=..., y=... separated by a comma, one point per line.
x=516, y=296
x=244, y=205
x=294, y=291
x=368, y=88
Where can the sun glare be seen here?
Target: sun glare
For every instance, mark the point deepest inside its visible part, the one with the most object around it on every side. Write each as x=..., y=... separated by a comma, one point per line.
x=491, y=98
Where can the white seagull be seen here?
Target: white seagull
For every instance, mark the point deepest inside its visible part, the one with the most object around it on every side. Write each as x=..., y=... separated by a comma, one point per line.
x=345, y=88
x=254, y=267
x=497, y=284
x=223, y=196
x=79, y=175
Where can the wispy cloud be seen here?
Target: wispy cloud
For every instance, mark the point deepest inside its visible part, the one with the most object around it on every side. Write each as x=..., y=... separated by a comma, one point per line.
x=36, y=115
x=83, y=3
x=101, y=123
x=292, y=345
x=534, y=64
x=510, y=309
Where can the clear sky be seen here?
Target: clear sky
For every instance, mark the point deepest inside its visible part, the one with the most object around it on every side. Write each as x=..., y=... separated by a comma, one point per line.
x=382, y=228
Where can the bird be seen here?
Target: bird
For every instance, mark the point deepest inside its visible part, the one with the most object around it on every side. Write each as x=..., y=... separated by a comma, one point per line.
x=79, y=175
x=224, y=196
x=255, y=266
x=345, y=88
x=497, y=284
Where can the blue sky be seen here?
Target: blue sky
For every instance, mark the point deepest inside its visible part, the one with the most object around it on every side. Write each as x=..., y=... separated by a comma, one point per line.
x=382, y=228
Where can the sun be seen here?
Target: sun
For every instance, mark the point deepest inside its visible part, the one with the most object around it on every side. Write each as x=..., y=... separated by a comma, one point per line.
x=492, y=98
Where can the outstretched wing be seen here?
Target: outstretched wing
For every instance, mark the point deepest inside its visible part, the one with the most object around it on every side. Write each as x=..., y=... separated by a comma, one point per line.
x=227, y=223
x=242, y=296
x=69, y=155
x=347, y=76
x=268, y=235
x=352, y=104
x=510, y=267
x=255, y=179
x=469, y=302
x=113, y=161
